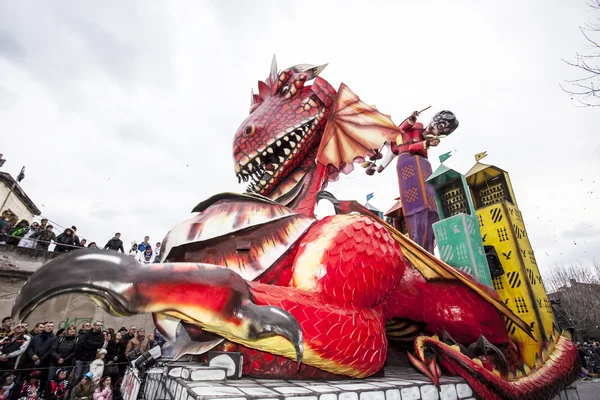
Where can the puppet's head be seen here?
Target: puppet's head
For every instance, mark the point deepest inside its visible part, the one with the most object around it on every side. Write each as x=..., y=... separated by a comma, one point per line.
x=286, y=121
x=442, y=124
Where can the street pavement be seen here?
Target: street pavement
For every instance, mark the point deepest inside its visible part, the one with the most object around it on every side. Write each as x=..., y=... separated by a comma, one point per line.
x=588, y=390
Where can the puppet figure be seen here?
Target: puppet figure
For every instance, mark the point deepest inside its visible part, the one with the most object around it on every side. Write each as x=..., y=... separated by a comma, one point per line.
x=417, y=197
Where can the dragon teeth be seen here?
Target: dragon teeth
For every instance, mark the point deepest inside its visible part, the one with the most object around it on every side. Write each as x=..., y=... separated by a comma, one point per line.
x=278, y=143
x=281, y=159
x=298, y=138
x=286, y=138
x=270, y=150
x=292, y=144
x=275, y=166
x=258, y=162
x=286, y=151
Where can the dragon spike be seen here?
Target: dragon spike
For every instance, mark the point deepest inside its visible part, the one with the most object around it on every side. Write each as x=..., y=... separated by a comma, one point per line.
x=310, y=70
x=273, y=73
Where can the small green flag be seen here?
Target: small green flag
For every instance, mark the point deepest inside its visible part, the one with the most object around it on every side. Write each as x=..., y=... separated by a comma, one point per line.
x=445, y=156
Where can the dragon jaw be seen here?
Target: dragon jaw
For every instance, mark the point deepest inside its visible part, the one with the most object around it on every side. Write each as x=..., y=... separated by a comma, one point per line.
x=285, y=126
x=555, y=369
x=273, y=161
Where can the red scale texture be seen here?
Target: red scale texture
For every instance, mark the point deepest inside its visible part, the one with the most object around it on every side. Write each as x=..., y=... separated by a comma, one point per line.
x=349, y=258
x=359, y=332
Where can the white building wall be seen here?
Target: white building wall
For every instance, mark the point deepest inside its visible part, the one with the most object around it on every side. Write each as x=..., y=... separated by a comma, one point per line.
x=14, y=203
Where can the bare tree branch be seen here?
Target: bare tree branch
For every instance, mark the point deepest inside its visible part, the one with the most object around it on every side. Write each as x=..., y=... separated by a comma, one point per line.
x=575, y=291
x=588, y=94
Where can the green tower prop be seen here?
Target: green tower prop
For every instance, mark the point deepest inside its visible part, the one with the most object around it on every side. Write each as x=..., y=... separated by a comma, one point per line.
x=457, y=232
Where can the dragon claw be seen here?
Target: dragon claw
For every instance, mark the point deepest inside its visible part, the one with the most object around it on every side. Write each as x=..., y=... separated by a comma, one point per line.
x=430, y=367
x=267, y=321
x=212, y=298
x=482, y=346
x=450, y=340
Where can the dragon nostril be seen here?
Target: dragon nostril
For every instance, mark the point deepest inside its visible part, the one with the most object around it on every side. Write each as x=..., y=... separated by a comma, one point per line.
x=249, y=130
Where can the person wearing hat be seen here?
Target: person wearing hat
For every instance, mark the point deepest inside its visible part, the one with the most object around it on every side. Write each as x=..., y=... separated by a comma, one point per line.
x=97, y=366
x=31, y=388
x=84, y=389
x=76, y=241
x=56, y=389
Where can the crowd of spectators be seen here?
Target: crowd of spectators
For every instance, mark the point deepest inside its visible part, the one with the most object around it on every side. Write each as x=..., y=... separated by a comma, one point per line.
x=41, y=235
x=589, y=354
x=69, y=364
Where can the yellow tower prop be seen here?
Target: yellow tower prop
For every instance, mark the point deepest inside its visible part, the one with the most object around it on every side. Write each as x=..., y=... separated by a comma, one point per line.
x=518, y=281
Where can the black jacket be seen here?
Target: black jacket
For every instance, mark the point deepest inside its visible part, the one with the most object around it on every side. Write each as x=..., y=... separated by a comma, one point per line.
x=65, y=238
x=114, y=244
x=115, y=352
x=41, y=345
x=126, y=338
x=88, y=344
x=64, y=347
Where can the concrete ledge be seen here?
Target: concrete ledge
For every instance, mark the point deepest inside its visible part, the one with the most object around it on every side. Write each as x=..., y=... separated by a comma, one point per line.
x=22, y=261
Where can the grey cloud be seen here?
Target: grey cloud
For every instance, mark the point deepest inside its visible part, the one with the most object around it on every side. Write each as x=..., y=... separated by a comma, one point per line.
x=581, y=232
x=11, y=48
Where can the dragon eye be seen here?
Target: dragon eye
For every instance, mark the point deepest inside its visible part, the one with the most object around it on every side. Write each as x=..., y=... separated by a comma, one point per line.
x=249, y=130
x=285, y=90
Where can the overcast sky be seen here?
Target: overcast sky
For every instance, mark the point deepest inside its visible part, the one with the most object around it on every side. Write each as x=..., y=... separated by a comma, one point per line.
x=124, y=112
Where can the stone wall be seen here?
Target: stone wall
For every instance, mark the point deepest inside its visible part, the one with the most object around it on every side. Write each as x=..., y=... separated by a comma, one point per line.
x=17, y=264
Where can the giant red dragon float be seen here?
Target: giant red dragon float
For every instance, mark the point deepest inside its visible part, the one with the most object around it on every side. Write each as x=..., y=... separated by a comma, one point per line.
x=257, y=273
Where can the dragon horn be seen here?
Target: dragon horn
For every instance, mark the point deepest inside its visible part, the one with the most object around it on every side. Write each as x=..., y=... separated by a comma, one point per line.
x=315, y=71
x=273, y=74
x=251, y=97
x=213, y=298
x=310, y=70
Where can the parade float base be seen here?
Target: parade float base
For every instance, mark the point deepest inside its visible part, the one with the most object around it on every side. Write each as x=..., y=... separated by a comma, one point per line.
x=398, y=383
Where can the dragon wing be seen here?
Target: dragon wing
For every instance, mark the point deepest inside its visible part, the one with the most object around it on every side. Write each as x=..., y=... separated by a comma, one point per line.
x=354, y=130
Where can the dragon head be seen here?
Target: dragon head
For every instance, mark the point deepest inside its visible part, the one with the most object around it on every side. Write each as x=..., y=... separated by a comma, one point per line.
x=286, y=122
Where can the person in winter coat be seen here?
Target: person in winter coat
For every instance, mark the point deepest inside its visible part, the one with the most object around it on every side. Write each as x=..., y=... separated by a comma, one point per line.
x=38, y=352
x=146, y=257
x=151, y=342
x=6, y=328
x=88, y=345
x=25, y=240
x=145, y=244
x=97, y=366
x=13, y=347
x=84, y=389
x=6, y=227
x=76, y=240
x=32, y=387
x=115, y=354
x=57, y=388
x=115, y=243
x=17, y=232
x=44, y=237
x=139, y=342
x=104, y=389
x=7, y=384
x=65, y=241
x=62, y=354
